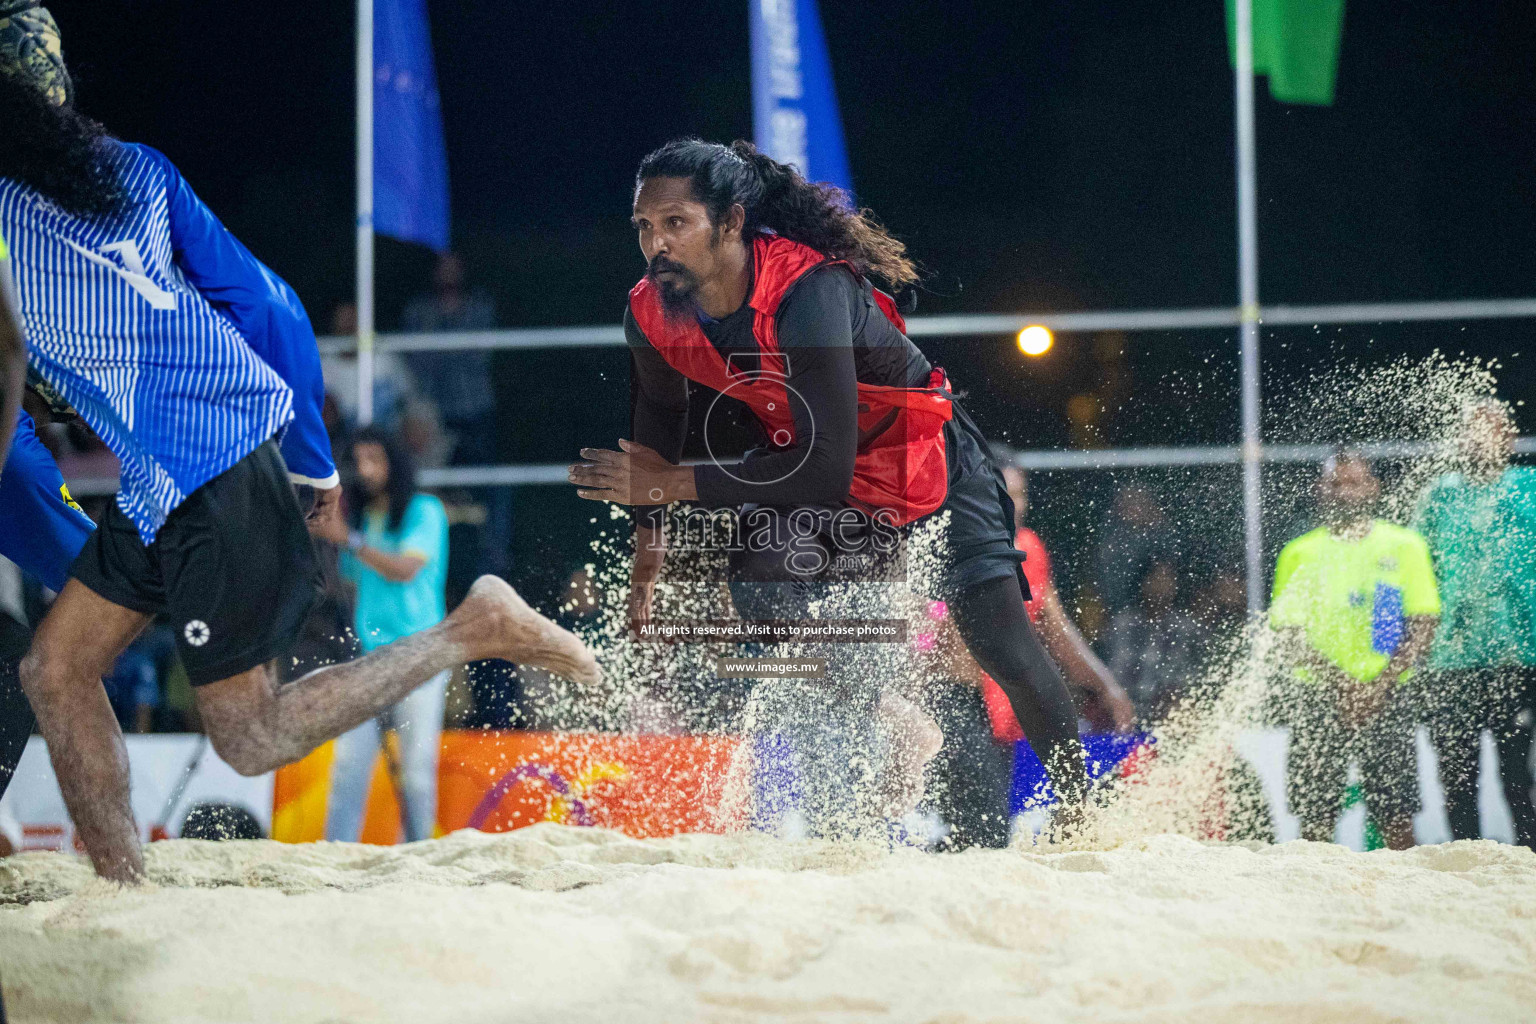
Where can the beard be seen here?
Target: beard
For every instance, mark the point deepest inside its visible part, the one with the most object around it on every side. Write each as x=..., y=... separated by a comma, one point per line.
x=679, y=293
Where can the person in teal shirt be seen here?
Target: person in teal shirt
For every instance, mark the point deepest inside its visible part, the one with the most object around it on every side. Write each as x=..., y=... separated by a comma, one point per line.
x=397, y=556
x=1355, y=603
x=1481, y=525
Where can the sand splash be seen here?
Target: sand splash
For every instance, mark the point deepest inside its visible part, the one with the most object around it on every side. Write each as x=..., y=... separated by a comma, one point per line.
x=560, y=924
x=1133, y=922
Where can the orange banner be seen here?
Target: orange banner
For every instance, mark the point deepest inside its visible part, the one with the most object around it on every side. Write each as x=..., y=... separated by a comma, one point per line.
x=495, y=781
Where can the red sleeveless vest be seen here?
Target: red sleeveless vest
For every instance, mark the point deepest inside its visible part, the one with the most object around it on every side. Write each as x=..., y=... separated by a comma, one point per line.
x=899, y=466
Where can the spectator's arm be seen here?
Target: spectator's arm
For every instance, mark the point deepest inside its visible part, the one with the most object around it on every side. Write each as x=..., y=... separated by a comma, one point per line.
x=268, y=315
x=1421, y=608
x=401, y=568
x=423, y=540
x=1079, y=664
x=13, y=354
x=1418, y=634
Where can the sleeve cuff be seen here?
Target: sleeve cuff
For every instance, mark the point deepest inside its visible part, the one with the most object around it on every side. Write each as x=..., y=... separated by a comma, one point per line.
x=712, y=484
x=319, y=484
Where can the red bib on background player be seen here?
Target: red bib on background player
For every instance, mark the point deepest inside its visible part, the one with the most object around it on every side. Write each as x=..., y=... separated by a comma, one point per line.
x=899, y=466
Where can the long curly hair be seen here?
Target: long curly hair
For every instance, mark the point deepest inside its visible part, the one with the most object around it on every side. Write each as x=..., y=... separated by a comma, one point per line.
x=58, y=152
x=400, y=488
x=777, y=198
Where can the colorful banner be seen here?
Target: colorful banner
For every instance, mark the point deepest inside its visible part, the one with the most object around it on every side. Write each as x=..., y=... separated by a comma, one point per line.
x=410, y=164
x=663, y=785
x=1296, y=43
x=496, y=781
x=794, y=104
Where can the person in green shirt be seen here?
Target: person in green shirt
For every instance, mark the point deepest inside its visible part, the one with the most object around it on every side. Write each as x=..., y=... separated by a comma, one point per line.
x=1355, y=603
x=397, y=556
x=1481, y=526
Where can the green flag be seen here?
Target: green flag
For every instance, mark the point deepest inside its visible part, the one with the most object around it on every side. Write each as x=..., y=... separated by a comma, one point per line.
x=1295, y=43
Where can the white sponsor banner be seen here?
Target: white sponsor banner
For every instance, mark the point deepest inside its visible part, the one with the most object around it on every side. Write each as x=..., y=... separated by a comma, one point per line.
x=157, y=765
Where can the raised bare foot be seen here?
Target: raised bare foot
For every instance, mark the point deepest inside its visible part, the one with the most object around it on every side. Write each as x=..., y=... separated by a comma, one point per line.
x=497, y=623
x=913, y=738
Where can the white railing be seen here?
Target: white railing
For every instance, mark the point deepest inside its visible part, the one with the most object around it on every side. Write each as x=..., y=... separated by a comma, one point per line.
x=966, y=324
x=536, y=474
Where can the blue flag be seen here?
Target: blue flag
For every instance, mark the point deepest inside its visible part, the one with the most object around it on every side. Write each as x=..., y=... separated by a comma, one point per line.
x=410, y=166
x=794, y=106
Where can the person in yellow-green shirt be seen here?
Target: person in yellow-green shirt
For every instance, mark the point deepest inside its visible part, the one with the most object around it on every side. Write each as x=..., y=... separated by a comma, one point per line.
x=1356, y=604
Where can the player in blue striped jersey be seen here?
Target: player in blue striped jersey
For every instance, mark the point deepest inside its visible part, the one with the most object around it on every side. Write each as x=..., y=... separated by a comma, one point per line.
x=197, y=366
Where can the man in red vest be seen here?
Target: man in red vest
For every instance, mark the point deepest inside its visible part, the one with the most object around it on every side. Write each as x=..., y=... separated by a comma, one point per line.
x=758, y=287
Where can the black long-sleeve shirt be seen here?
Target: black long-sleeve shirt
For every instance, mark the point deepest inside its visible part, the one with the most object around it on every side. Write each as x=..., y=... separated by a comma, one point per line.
x=832, y=336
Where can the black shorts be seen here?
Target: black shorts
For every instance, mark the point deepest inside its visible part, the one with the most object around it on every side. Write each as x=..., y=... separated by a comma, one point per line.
x=232, y=568
x=796, y=544
x=1322, y=746
x=980, y=513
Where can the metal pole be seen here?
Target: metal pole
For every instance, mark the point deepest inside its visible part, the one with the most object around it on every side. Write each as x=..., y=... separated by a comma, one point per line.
x=365, y=211
x=1248, y=288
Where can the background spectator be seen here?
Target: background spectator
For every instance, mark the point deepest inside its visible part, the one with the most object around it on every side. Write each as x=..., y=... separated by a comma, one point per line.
x=1135, y=534
x=1155, y=646
x=397, y=556
x=393, y=385
x=1481, y=529
x=1356, y=604
x=1106, y=705
x=458, y=383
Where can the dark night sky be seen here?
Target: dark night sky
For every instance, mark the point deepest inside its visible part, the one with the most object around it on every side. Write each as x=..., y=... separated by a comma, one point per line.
x=1056, y=154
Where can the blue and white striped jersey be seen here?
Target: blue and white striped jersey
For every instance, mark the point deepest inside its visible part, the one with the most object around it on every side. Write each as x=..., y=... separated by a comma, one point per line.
x=176, y=345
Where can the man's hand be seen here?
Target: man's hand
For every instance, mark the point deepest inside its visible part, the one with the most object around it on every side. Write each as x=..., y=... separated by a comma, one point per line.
x=637, y=475
x=324, y=520
x=650, y=552
x=1122, y=713
x=641, y=596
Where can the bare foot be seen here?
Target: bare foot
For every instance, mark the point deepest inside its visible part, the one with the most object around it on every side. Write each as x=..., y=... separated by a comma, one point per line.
x=913, y=739
x=498, y=623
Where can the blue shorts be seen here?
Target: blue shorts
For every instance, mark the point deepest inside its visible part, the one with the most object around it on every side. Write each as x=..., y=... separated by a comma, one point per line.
x=41, y=528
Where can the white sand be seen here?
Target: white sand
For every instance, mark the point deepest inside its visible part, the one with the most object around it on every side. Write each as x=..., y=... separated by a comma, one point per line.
x=562, y=925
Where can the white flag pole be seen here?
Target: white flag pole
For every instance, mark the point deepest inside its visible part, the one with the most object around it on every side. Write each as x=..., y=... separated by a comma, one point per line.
x=1248, y=289
x=364, y=211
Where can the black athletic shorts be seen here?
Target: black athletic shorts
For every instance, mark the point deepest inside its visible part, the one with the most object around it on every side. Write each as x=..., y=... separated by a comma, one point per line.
x=979, y=540
x=980, y=513
x=233, y=568
x=1322, y=746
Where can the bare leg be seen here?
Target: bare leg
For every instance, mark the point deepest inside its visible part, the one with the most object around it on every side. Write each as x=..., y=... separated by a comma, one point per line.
x=912, y=740
x=257, y=725
x=79, y=639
